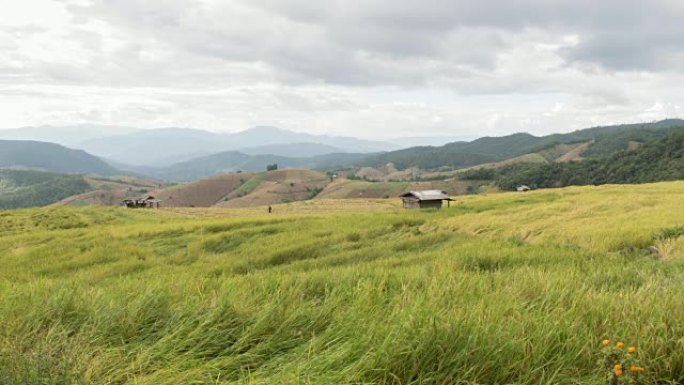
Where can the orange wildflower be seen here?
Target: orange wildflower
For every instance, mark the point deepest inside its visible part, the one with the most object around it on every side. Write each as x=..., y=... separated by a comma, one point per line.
x=636, y=369
x=631, y=349
x=606, y=342
x=620, y=345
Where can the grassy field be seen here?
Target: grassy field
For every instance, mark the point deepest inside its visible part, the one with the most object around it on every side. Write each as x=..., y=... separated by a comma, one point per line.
x=347, y=189
x=500, y=289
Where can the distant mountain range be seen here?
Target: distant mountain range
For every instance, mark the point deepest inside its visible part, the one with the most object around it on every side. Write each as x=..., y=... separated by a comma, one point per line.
x=187, y=154
x=164, y=146
x=42, y=156
x=69, y=136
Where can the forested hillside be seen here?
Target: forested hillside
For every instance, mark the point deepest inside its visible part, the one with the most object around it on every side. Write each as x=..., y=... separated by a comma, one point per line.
x=25, y=188
x=657, y=161
x=608, y=145
x=606, y=141
x=51, y=157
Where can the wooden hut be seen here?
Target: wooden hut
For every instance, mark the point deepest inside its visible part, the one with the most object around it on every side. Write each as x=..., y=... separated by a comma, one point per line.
x=426, y=199
x=144, y=202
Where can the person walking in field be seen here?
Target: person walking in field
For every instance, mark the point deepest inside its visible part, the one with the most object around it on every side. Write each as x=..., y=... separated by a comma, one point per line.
x=270, y=209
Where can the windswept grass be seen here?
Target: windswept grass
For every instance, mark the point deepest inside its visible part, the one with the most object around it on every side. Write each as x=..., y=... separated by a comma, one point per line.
x=503, y=289
x=602, y=219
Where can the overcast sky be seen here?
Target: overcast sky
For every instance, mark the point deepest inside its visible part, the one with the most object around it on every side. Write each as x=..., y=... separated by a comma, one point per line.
x=371, y=68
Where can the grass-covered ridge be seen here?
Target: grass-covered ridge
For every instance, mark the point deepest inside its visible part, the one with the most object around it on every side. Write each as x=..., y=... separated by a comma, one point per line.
x=500, y=289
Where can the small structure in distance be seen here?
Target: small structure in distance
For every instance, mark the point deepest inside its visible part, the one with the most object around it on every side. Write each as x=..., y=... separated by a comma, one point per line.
x=523, y=188
x=148, y=202
x=426, y=199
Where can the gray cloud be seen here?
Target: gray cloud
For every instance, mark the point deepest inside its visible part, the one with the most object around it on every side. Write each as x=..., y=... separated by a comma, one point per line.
x=302, y=62
x=631, y=50
x=355, y=42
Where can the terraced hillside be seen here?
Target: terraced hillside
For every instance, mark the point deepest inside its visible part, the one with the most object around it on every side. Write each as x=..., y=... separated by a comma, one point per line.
x=255, y=189
x=202, y=193
x=373, y=295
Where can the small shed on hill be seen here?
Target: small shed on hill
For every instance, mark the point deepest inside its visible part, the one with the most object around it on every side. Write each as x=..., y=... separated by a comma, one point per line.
x=523, y=188
x=425, y=199
x=147, y=201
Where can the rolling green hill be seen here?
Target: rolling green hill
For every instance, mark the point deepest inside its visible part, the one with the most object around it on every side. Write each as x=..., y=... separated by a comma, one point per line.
x=498, y=289
x=51, y=157
x=26, y=188
x=607, y=140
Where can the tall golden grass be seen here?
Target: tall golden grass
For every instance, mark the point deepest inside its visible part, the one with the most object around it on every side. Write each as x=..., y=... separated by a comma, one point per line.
x=500, y=289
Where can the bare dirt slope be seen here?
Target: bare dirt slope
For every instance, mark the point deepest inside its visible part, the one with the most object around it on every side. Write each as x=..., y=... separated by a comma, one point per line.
x=527, y=158
x=236, y=190
x=202, y=193
x=575, y=153
x=385, y=173
x=558, y=153
x=403, y=174
x=633, y=145
x=278, y=186
x=370, y=173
